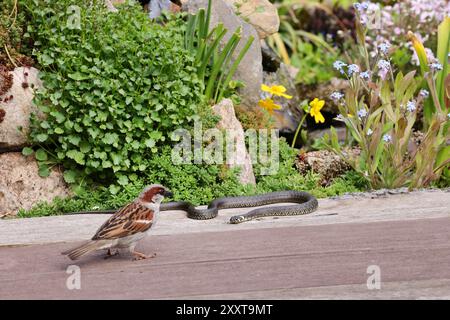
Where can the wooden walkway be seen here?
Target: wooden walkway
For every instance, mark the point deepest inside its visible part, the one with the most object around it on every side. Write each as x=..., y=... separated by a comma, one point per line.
x=319, y=256
x=328, y=261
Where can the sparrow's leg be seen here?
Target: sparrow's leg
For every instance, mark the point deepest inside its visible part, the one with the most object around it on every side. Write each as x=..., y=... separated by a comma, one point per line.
x=141, y=256
x=109, y=254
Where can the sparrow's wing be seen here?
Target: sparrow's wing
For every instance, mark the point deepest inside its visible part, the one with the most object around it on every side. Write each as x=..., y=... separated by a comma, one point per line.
x=129, y=220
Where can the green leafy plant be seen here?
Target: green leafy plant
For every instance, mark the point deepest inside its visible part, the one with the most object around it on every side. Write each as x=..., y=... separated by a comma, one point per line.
x=313, y=63
x=438, y=82
x=200, y=185
x=379, y=110
x=216, y=67
x=114, y=90
x=309, y=51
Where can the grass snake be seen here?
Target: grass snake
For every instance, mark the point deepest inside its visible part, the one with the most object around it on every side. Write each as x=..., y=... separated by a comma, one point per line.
x=305, y=203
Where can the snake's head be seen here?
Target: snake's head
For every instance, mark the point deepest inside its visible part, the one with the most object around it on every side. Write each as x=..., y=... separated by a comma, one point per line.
x=237, y=219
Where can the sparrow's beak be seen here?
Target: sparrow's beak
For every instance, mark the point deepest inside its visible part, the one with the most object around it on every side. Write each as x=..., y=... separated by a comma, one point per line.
x=168, y=194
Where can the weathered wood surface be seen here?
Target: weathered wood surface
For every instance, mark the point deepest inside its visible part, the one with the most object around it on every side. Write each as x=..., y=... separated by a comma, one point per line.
x=310, y=261
x=360, y=209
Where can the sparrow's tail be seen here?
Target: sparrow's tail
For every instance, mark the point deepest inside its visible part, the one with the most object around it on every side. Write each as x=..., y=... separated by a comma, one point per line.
x=77, y=252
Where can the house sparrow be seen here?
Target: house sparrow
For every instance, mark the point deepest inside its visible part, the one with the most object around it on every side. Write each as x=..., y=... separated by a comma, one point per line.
x=127, y=226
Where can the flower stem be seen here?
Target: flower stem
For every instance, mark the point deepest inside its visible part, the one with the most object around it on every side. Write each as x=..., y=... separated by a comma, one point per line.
x=298, y=130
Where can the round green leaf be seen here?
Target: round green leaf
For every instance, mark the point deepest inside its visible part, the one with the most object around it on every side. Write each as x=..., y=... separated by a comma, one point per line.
x=70, y=176
x=41, y=155
x=123, y=180
x=27, y=151
x=43, y=170
x=41, y=137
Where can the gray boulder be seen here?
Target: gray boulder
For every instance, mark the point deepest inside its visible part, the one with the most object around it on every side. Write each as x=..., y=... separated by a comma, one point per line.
x=22, y=187
x=250, y=68
x=17, y=107
x=288, y=118
x=240, y=156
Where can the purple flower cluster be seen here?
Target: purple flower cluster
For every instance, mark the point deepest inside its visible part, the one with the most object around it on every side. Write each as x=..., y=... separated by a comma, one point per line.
x=362, y=113
x=383, y=68
x=339, y=66
x=353, y=68
x=384, y=47
x=424, y=93
x=365, y=75
x=435, y=66
x=411, y=106
x=336, y=96
x=422, y=17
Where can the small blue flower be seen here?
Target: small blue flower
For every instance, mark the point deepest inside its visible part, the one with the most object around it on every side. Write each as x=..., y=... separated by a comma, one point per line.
x=387, y=138
x=448, y=115
x=353, y=68
x=411, y=106
x=369, y=132
x=384, y=47
x=361, y=6
x=340, y=117
x=384, y=64
x=361, y=113
x=365, y=75
x=339, y=65
x=424, y=93
x=435, y=66
x=336, y=96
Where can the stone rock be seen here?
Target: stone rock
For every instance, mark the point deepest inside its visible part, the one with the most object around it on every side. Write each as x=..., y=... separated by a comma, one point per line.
x=250, y=69
x=22, y=187
x=270, y=60
x=327, y=164
x=17, y=105
x=323, y=91
x=287, y=118
x=239, y=156
x=261, y=14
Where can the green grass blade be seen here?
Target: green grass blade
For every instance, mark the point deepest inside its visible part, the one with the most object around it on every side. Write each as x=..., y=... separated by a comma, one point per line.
x=234, y=67
x=208, y=19
x=224, y=68
x=218, y=63
x=221, y=33
x=443, y=49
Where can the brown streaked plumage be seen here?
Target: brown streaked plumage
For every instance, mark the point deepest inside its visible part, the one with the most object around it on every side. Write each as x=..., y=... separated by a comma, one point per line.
x=127, y=226
x=129, y=220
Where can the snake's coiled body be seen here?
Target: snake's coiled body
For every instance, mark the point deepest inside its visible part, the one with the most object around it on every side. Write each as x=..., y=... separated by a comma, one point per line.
x=306, y=204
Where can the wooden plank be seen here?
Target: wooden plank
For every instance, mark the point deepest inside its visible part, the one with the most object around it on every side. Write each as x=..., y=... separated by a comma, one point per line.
x=359, y=209
x=232, y=264
x=415, y=289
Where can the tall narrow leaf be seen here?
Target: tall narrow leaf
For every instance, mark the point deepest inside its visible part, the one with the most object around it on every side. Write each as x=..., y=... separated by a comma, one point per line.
x=234, y=67
x=443, y=49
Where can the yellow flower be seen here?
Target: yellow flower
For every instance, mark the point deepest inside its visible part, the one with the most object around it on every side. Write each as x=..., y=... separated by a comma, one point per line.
x=316, y=106
x=276, y=90
x=269, y=105
x=420, y=50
